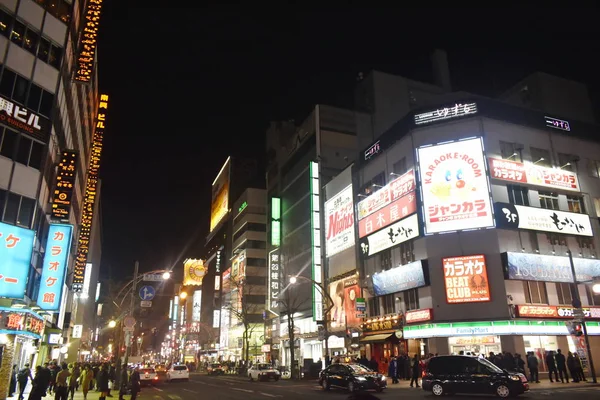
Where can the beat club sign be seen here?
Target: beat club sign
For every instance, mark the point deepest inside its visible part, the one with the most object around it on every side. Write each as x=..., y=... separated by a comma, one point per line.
x=466, y=279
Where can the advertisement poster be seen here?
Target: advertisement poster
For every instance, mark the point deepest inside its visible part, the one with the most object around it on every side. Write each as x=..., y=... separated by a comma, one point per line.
x=466, y=279
x=548, y=268
x=391, y=192
x=531, y=174
x=16, y=247
x=339, y=222
x=219, y=206
x=344, y=294
x=454, y=185
x=511, y=216
x=399, y=232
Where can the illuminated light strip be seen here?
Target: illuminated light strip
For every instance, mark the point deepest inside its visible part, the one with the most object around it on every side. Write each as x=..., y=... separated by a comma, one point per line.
x=274, y=276
x=221, y=170
x=315, y=225
x=440, y=114
x=86, y=54
x=91, y=187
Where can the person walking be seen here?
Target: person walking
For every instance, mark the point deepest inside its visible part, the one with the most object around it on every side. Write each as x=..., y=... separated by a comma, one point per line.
x=134, y=383
x=22, y=377
x=86, y=380
x=579, y=368
x=393, y=370
x=102, y=382
x=73, y=378
x=561, y=365
x=533, y=365
x=551, y=363
x=571, y=367
x=61, y=386
x=38, y=389
x=12, y=388
x=416, y=371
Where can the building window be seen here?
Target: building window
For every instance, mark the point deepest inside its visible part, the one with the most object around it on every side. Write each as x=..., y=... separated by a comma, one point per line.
x=385, y=259
x=511, y=151
x=399, y=167
x=407, y=252
x=533, y=240
x=548, y=200
x=576, y=204
x=61, y=9
x=518, y=195
x=566, y=161
x=563, y=291
x=556, y=240
x=8, y=142
x=5, y=21
x=374, y=306
x=19, y=210
x=21, y=149
x=540, y=157
x=411, y=299
x=594, y=168
x=373, y=185
x=597, y=206
x=535, y=292
x=593, y=298
x=389, y=304
x=19, y=89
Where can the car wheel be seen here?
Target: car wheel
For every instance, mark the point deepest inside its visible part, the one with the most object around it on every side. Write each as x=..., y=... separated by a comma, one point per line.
x=325, y=384
x=251, y=378
x=502, y=391
x=351, y=387
x=437, y=389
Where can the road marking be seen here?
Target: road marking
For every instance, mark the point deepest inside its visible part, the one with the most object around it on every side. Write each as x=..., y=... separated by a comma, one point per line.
x=243, y=390
x=174, y=397
x=157, y=397
x=155, y=388
x=191, y=391
x=270, y=395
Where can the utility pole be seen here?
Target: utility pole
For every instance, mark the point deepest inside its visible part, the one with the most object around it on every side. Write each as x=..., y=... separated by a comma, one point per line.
x=131, y=306
x=577, y=304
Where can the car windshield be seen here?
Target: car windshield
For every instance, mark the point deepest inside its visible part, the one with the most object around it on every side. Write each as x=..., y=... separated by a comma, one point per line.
x=147, y=371
x=179, y=368
x=359, y=369
x=492, y=367
x=264, y=366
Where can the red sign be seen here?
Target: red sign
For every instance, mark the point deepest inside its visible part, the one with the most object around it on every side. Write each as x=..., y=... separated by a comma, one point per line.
x=513, y=171
x=394, y=212
x=554, y=312
x=466, y=279
x=21, y=322
x=388, y=194
x=425, y=314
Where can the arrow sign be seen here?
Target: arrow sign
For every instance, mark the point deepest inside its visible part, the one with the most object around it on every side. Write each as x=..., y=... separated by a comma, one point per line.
x=147, y=292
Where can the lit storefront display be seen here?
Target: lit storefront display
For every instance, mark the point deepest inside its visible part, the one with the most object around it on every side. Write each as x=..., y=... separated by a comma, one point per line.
x=414, y=316
x=344, y=293
x=404, y=277
x=466, y=279
x=548, y=268
x=64, y=182
x=193, y=272
x=383, y=338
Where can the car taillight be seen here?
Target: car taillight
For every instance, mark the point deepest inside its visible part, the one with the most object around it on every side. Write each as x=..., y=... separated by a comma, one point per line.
x=156, y=378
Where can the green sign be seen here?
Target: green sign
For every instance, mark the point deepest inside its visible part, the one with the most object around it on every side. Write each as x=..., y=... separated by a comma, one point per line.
x=275, y=221
x=243, y=206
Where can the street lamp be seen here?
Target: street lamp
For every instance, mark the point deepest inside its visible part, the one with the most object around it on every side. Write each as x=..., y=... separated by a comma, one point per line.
x=166, y=275
x=183, y=295
x=112, y=323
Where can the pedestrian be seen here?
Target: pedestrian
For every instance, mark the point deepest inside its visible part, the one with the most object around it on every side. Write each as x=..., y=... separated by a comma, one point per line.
x=551, y=364
x=533, y=365
x=73, y=378
x=61, y=386
x=520, y=363
x=572, y=368
x=22, y=377
x=561, y=365
x=102, y=382
x=38, y=388
x=86, y=380
x=112, y=375
x=373, y=364
x=393, y=370
x=134, y=383
x=124, y=382
x=416, y=371
x=12, y=388
x=579, y=368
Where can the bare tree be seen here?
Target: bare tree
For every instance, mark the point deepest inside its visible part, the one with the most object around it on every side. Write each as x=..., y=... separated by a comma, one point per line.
x=291, y=303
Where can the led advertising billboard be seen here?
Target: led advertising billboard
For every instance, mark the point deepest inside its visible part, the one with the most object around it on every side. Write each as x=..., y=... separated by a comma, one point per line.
x=466, y=279
x=454, y=186
x=339, y=222
x=219, y=206
x=531, y=174
x=55, y=264
x=344, y=294
x=16, y=247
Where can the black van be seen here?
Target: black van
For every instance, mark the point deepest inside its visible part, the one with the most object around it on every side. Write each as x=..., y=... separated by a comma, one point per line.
x=466, y=374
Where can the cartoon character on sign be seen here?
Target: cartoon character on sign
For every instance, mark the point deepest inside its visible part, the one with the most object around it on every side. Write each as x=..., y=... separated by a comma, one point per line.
x=454, y=181
x=195, y=270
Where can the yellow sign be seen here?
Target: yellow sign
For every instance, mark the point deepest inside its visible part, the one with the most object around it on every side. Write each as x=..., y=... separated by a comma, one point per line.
x=219, y=206
x=193, y=272
x=89, y=39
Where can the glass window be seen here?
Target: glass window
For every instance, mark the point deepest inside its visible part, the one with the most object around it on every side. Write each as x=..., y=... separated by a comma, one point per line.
x=44, y=50
x=37, y=152
x=511, y=151
x=407, y=252
x=566, y=161
x=55, y=56
x=21, y=88
x=540, y=157
x=533, y=240
x=26, y=212
x=373, y=304
x=3, y=194
x=23, y=150
x=12, y=208
x=563, y=291
x=64, y=11
x=18, y=33
x=389, y=304
x=385, y=259
x=35, y=95
x=7, y=83
x=518, y=195
x=411, y=299
x=535, y=292
x=31, y=40
x=46, y=104
x=575, y=204
x=593, y=298
x=400, y=167
x=548, y=200
x=5, y=21
x=594, y=168
x=8, y=143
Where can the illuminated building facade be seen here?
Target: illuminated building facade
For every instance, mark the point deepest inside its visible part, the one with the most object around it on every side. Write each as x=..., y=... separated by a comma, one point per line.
x=46, y=132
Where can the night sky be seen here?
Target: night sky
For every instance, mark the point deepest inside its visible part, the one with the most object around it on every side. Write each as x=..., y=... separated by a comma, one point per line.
x=188, y=87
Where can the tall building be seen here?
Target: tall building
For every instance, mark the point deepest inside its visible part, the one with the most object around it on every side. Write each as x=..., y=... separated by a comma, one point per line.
x=47, y=127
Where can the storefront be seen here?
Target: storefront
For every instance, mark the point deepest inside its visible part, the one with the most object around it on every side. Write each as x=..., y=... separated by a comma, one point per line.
x=19, y=331
x=382, y=339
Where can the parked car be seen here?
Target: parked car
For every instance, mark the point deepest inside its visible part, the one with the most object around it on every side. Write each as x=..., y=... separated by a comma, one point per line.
x=215, y=369
x=263, y=372
x=178, y=372
x=352, y=377
x=148, y=376
x=467, y=374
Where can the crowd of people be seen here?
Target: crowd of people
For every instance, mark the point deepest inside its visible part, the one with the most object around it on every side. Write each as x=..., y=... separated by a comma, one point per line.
x=63, y=380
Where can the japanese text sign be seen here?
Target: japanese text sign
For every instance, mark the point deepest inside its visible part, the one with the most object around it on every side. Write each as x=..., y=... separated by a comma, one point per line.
x=391, y=192
x=557, y=123
x=440, y=114
x=64, y=182
x=454, y=186
x=339, y=222
x=16, y=247
x=404, y=277
x=274, y=280
x=24, y=120
x=399, y=232
x=56, y=259
x=511, y=216
x=389, y=214
x=21, y=321
x=413, y=316
x=554, y=312
x=531, y=174
x=86, y=56
x=548, y=268
x=466, y=279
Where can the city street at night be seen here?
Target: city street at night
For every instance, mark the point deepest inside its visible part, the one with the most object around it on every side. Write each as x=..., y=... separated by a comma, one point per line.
x=237, y=388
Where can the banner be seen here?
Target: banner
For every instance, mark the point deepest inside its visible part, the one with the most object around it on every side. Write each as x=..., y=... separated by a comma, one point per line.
x=399, y=232
x=219, y=206
x=193, y=272
x=404, y=277
x=16, y=247
x=339, y=222
x=56, y=260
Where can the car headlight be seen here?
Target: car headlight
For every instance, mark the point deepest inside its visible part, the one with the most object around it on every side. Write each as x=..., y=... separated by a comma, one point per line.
x=361, y=378
x=383, y=377
x=515, y=378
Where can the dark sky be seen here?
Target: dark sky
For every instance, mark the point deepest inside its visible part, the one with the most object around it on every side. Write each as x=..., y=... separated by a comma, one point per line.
x=189, y=87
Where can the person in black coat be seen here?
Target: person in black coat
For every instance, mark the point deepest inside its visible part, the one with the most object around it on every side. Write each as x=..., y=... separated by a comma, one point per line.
x=561, y=365
x=374, y=365
x=134, y=383
x=572, y=367
x=12, y=388
x=39, y=388
x=551, y=363
x=102, y=382
x=393, y=370
x=416, y=371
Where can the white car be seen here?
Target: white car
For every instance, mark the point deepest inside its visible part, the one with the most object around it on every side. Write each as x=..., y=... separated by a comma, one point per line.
x=148, y=376
x=178, y=372
x=263, y=371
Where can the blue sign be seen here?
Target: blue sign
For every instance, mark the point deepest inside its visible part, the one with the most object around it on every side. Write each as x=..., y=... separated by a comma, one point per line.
x=16, y=247
x=56, y=259
x=147, y=292
x=405, y=277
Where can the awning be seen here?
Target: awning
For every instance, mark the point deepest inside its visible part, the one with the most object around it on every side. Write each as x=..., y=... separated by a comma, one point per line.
x=376, y=338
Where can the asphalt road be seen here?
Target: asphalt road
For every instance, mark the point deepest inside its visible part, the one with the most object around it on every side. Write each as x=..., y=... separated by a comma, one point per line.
x=235, y=388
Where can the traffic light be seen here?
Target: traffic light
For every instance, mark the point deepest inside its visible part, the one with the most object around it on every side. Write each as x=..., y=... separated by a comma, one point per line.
x=577, y=330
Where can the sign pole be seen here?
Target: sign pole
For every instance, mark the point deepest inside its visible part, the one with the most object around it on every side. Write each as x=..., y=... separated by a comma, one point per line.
x=577, y=304
x=131, y=306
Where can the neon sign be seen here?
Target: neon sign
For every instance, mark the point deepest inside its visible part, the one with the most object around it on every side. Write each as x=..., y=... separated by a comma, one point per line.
x=440, y=114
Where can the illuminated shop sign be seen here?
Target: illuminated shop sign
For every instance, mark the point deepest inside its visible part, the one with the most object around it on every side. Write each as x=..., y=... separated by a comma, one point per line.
x=24, y=119
x=466, y=279
x=547, y=268
x=399, y=232
x=275, y=221
x=12, y=321
x=315, y=227
x=16, y=247
x=193, y=272
x=216, y=318
x=56, y=259
x=385, y=323
x=64, y=182
x=238, y=266
x=554, y=312
x=528, y=173
x=197, y=305
x=89, y=198
x=423, y=315
x=557, y=124
x=409, y=276
x=454, y=186
x=373, y=150
x=339, y=222
x=389, y=214
x=441, y=114
x=388, y=194
x=511, y=216
x=274, y=281
x=86, y=55
x=219, y=206
x=344, y=294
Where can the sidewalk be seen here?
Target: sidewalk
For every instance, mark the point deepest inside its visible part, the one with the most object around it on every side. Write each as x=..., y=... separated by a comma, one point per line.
x=92, y=394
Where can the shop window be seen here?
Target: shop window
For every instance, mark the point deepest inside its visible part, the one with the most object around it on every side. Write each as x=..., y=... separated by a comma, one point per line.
x=576, y=204
x=548, y=200
x=407, y=252
x=540, y=157
x=8, y=143
x=5, y=21
x=385, y=259
x=411, y=299
x=374, y=309
x=399, y=167
x=389, y=304
x=511, y=151
x=518, y=195
x=563, y=291
x=535, y=292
